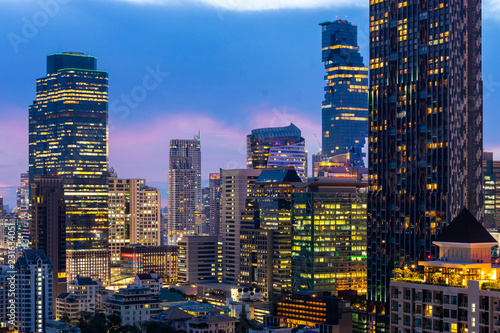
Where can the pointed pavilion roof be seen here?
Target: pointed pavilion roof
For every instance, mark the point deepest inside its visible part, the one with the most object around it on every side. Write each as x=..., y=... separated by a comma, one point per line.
x=465, y=229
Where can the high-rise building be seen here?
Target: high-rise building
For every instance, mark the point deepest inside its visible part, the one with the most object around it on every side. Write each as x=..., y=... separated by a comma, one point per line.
x=200, y=259
x=134, y=215
x=235, y=185
x=23, y=205
x=277, y=147
x=491, y=169
x=266, y=228
x=215, y=198
x=34, y=291
x=68, y=138
x=48, y=226
x=425, y=135
x=329, y=235
x=6, y=276
x=184, y=187
x=345, y=108
x=205, y=210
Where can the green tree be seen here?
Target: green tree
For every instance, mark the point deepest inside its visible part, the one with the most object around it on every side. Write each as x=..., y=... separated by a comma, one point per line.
x=398, y=273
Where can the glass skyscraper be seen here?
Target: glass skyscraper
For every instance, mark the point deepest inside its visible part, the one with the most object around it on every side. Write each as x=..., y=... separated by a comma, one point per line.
x=425, y=135
x=345, y=108
x=68, y=138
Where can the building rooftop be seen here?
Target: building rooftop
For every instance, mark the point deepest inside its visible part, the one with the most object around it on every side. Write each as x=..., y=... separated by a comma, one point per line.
x=85, y=281
x=212, y=318
x=169, y=296
x=277, y=132
x=174, y=314
x=278, y=176
x=465, y=229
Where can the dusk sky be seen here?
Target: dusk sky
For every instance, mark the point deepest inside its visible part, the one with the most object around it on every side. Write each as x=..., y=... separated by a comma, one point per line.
x=222, y=67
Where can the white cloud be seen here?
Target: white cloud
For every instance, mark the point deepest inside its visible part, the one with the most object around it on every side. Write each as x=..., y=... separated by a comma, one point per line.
x=258, y=5
x=491, y=9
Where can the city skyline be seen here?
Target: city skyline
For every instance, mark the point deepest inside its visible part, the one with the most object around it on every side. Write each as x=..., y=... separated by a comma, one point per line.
x=167, y=111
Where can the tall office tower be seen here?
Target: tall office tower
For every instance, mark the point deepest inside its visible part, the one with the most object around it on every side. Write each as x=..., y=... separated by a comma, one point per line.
x=34, y=291
x=425, y=136
x=48, y=226
x=277, y=147
x=235, y=185
x=134, y=215
x=491, y=169
x=205, y=210
x=23, y=205
x=266, y=228
x=184, y=187
x=329, y=235
x=215, y=198
x=345, y=108
x=68, y=138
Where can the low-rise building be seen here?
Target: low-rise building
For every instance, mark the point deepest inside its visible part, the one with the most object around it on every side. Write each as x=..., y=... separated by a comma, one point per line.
x=313, y=309
x=220, y=323
x=133, y=304
x=460, y=292
x=81, y=297
x=53, y=326
x=149, y=280
x=174, y=317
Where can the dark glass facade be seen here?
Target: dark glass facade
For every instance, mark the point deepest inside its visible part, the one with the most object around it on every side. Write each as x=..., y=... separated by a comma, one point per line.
x=329, y=238
x=425, y=135
x=345, y=108
x=277, y=147
x=68, y=138
x=491, y=169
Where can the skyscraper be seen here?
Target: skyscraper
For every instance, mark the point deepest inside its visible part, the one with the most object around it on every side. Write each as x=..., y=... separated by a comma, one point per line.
x=134, y=215
x=425, y=137
x=184, y=187
x=277, y=147
x=23, y=203
x=48, y=226
x=215, y=198
x=491, y=169
x=345, y=108
x=34, y=291
x=68, y=138
x=235, y=185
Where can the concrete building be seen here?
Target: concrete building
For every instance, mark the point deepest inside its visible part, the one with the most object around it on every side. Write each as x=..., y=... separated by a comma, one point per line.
x=215, y=203
x=149, y=280
x=200, y=259
x=140, y=259
x=458, y=292
x=266, y=227
x=133, y=305
x=23, y=211
x=34, y=287
x=48, y=226
x=220, y=323
x=80, y=297
x=313, y=309
x=235, y=185
x=184, y=187
x=6, y=275
x=134, y=215
x=491, y=170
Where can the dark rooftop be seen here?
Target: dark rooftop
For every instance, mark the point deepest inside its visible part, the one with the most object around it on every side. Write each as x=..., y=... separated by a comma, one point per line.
x=465, y=229
x=278, y=176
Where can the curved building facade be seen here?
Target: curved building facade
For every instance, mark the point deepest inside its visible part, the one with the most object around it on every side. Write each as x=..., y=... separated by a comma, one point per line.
x=277, y=147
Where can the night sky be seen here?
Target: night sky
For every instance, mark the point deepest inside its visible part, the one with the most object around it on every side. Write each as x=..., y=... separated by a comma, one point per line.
x=222, y=67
